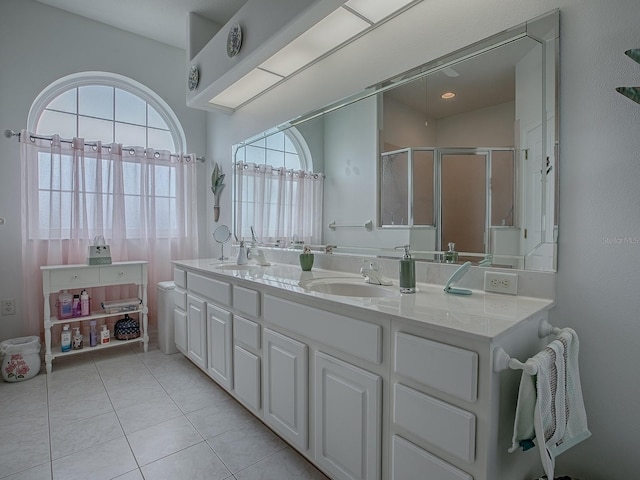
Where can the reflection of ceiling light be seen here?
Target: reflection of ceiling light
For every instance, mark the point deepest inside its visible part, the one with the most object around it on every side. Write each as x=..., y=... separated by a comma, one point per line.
x=447, y=95
x=334, y=31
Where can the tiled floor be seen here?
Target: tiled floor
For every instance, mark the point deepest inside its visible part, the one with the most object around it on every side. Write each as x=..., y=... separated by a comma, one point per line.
x=124, y=414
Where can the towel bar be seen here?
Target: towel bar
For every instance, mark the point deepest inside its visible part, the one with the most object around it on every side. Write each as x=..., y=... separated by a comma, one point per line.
x=502, y=360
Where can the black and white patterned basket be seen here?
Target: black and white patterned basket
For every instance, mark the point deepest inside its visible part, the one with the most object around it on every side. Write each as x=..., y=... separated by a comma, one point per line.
x=126, y=328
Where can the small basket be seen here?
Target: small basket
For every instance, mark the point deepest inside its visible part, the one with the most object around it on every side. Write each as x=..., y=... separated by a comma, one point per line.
x=126, y=328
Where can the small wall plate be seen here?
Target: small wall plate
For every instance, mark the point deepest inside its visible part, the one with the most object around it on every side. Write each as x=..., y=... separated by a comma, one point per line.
x=234, y=40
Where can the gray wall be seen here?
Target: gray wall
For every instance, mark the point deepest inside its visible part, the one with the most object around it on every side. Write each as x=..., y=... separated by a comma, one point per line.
x=39, y=45
x=599, y=246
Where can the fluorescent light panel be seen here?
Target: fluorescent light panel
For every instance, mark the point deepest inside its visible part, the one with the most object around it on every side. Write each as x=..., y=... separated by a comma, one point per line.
x=376, y=10
x=333, y=30
x=253, y=83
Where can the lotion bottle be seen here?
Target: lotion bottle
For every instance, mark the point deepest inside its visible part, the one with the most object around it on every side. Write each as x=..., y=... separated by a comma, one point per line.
x=105, y=335
x=407, y=272
x=84, y=303
x=77, y=339
x=65, y=339
x=93, y=334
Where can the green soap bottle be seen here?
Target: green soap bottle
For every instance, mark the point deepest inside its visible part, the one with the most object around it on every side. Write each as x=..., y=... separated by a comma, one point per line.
x=407, y=272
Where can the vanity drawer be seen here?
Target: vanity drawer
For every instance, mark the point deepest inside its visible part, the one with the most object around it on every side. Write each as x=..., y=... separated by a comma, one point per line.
x=408, y=462
x=449, y=369
x=246, y=332
x=441, y=424
x=246, y=301
x=352, y=336
x=215, y=290
x=73, y=278
x=121, y=274
x=180, y=278
x=180, y=298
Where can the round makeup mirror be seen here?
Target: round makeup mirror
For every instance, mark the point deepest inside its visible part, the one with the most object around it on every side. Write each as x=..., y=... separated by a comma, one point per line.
x=222, y=234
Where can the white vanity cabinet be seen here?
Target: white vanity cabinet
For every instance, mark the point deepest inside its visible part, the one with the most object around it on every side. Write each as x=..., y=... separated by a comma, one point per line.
x=286, y=386
x=219, y=345
x=247, y=372
x=197, y=331
x=180, y=310
x=396, y=389
x=347, y=419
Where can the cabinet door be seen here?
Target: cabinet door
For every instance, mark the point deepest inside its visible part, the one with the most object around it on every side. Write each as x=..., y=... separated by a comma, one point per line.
x=197, y=331
x=347, y=419
x=246, y=377
x=219, y=345
x=286, y=379
x=180, y=329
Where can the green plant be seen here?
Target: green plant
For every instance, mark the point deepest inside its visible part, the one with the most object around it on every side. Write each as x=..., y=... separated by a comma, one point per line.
x=217, y=184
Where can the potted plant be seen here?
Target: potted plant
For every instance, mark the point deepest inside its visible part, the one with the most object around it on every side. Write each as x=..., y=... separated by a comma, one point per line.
x=217, y=186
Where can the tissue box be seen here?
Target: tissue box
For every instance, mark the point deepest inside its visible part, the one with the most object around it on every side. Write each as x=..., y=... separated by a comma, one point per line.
x=99, y=255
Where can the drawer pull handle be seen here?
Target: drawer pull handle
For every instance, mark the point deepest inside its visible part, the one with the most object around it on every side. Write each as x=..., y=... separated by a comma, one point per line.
x=75, y=276
x=121, y=273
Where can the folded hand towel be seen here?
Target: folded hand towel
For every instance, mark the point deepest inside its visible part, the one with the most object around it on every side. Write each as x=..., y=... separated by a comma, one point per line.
x=557, y=417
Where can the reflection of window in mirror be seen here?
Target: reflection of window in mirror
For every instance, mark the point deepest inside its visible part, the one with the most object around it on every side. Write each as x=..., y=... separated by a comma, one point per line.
x=276, y=195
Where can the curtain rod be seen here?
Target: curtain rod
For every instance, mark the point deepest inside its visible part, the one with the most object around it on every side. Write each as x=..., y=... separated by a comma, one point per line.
x=10, y=133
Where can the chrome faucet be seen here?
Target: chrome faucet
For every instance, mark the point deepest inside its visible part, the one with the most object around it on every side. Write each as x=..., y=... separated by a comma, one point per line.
x=373, y=274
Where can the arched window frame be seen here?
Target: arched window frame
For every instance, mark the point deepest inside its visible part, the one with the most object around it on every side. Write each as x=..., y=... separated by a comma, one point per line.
x=129, y=85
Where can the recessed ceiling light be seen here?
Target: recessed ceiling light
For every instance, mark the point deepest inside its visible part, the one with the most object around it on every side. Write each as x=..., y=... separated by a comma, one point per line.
x=448, y=95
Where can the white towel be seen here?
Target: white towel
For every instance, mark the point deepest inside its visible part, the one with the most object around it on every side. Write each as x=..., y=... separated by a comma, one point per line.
x=558, y=417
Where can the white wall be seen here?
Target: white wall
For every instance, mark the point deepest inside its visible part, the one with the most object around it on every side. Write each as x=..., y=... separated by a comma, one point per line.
x=40, y=44
x=599, y=243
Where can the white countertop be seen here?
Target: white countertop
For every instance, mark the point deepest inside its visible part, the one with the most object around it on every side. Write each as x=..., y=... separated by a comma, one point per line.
x=481, y=315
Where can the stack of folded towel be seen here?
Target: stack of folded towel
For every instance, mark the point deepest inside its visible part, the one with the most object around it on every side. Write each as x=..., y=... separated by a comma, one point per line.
x=550, y=408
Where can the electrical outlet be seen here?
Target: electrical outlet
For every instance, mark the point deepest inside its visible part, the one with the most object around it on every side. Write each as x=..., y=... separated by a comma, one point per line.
x=499, y=282
x=8, y=306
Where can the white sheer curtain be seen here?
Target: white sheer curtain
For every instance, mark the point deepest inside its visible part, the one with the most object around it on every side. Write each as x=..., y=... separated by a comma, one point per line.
x=142, y=201
x=279, y=204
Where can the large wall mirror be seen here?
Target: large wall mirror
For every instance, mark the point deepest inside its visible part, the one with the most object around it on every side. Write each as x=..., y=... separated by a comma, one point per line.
x=461, y=150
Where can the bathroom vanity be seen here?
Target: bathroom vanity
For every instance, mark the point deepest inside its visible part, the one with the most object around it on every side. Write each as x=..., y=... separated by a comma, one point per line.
x=379, y=387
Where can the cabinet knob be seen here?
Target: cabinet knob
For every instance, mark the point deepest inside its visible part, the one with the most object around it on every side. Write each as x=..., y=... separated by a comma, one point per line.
x=121, y=273
x=75, y=276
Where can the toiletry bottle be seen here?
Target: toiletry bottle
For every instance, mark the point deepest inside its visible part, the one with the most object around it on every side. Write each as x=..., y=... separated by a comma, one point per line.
x=451, y=256
x=65, y=301
x=105, y=335
x=75, y=306
x=242, y=254
x=407, y=272
x=65, y=339
x=93, y=334
x=77, y=339
x=84, y=303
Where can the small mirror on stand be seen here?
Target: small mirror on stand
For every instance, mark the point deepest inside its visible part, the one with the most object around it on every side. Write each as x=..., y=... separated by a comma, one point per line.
x=222, y=234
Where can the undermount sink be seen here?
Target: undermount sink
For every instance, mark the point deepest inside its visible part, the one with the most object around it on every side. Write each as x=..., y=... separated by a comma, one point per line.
x=347, y=287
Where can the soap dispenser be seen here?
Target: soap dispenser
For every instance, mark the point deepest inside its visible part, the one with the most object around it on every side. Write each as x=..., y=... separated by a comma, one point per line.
x=451, y=256
x=407, y=272
x=242, y=254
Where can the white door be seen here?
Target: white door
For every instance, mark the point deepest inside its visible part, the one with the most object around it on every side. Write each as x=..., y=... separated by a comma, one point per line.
x=347, y=419
x=197, y=331
x=180, y=329
x=219, y=345
x=246, y=375
x=286, y=380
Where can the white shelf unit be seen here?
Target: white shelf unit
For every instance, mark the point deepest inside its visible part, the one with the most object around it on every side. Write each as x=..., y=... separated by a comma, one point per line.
x=56, y=278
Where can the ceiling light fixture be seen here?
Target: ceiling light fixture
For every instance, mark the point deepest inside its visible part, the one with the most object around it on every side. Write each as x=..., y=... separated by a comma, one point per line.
x=334, y=31
x=447, y=95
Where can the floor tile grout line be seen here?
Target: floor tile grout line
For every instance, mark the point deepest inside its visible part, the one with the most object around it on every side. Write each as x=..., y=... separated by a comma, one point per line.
x=46, y=386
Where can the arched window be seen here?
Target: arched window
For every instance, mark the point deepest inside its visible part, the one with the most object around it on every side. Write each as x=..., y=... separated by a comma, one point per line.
x=277, y=149
x=109, y=108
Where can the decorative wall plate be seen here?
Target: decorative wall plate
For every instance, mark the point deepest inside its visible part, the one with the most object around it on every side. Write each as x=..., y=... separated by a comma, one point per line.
x=194, y=78
x=234, y=40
